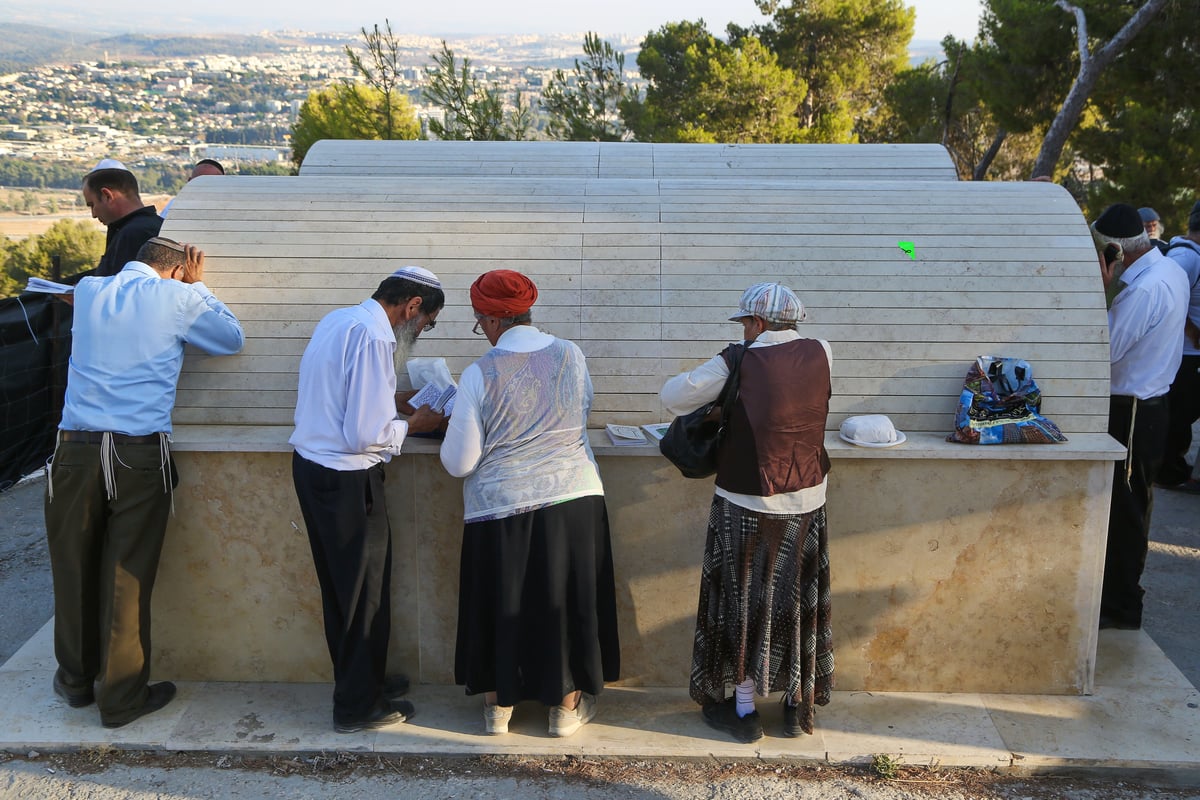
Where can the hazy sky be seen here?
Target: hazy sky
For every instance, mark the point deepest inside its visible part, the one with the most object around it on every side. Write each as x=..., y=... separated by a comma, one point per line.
x=935, y=18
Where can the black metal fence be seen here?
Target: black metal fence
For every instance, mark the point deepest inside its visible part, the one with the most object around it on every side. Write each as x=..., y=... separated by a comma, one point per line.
x=35, y=347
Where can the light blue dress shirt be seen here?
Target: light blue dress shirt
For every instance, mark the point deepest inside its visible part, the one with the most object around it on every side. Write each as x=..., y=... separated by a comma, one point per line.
x=1186, y=254
x=127, y=348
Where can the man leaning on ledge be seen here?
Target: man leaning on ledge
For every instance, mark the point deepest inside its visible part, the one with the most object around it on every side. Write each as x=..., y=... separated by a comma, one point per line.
x=110, y=483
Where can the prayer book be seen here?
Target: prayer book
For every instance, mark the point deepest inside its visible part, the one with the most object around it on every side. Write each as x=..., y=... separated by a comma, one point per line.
x=438, y=399
x=625, y=434
x=657, y=430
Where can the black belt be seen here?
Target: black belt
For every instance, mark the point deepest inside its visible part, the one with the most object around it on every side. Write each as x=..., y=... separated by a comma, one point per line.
x=1128, y=399
x=95, y=437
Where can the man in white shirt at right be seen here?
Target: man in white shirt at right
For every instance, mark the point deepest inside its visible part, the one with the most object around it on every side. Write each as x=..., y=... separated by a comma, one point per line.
x=1145, y=322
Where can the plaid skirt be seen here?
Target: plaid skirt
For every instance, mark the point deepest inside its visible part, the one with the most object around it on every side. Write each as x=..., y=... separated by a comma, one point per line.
x=764, y=607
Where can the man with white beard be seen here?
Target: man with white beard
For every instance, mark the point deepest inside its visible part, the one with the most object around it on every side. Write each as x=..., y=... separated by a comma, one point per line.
x=346, y=430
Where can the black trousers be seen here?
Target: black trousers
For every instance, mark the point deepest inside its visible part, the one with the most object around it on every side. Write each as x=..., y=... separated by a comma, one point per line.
x=104, y=557
x=351, y=540
x=1184, y=399
x=1132, y=502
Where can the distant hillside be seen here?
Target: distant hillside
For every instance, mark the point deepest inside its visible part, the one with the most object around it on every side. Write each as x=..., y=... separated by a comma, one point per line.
x=133, y=46
x=26, y=46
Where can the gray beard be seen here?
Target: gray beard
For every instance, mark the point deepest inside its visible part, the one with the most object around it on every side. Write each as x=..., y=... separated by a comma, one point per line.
x=406, y=337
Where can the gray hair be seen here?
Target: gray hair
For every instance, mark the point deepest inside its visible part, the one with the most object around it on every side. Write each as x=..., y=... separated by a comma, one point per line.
x=519, y=319
x=1134, y=245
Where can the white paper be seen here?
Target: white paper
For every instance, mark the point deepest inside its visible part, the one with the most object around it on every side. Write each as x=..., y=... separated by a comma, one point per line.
x=48, y=287
x=428, y=370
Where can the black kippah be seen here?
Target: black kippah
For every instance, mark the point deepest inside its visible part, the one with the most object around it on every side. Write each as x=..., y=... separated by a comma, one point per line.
x=1119, y=221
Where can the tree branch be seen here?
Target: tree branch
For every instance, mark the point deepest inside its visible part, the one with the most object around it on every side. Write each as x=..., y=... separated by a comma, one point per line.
x=1089, y=73
x=1080, y=31
x=993, y=150
x=946, y=119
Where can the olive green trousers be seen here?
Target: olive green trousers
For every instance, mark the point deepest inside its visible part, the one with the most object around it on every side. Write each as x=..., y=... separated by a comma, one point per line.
x=104, y=555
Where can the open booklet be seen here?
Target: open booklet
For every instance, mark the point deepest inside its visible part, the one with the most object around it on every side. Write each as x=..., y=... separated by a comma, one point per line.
x=440, y=400
x=657, y=430
x=48, y=287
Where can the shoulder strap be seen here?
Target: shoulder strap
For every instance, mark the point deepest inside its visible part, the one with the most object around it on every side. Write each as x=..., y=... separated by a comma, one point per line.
x=729, y=391
x=1184, y=243
x=1190, y=245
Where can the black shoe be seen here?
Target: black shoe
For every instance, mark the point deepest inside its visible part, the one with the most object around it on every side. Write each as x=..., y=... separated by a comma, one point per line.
x=76, y=698
x=1189, y=486
x=160, y=694
x=1109, y=621
x=791, y=720
x=724, y=717
x=388, y=712
x=395, y=686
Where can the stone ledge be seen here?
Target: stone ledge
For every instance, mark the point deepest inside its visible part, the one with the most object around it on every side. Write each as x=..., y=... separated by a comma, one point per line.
x=920, y=445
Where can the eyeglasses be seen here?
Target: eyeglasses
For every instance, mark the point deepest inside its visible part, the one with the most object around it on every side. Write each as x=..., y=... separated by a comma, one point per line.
x=478, y=331
x=429, y=326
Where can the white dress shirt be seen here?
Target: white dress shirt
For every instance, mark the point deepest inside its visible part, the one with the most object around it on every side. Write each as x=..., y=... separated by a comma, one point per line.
x=688, y=391
x=346, y=406
x=1145, y=323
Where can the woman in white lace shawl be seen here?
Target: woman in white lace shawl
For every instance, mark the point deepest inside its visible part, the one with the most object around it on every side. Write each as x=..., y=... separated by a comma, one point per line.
x=537, y=609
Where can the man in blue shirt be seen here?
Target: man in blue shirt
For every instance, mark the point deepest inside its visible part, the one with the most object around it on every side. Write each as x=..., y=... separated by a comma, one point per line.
x=110, y=480
x=1184, y=400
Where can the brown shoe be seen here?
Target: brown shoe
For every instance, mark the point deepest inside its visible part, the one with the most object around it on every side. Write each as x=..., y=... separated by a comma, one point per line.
x=160, y=694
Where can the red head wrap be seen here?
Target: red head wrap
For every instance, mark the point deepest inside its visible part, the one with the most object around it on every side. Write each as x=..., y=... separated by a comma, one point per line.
x=502, y=293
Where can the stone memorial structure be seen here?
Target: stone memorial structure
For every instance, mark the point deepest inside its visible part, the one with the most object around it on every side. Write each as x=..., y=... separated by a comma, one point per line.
x=954, y=567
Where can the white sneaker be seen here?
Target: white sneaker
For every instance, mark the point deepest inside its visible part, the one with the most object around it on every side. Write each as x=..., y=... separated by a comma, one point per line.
x=495, y=718
x=565, y=721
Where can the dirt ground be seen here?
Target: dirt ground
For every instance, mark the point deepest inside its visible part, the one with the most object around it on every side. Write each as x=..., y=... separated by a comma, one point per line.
x=113, y=775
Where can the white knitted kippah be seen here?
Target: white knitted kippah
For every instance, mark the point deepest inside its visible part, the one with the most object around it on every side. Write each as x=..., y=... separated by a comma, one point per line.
x=418, y=274
x=110, y=163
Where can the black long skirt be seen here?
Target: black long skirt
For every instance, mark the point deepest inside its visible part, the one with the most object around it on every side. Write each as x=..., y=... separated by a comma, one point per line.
x=537, y=612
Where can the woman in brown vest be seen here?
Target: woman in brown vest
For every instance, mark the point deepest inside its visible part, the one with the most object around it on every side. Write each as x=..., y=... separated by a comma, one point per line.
x=763, y=617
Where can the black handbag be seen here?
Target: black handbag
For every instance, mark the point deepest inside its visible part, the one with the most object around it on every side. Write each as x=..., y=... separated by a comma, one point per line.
x=692, y=441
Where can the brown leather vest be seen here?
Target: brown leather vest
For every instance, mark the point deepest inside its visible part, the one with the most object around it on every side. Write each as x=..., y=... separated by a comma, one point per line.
x=775, y=440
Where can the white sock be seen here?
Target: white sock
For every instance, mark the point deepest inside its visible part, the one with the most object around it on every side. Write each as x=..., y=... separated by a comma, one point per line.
x=744, y=692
